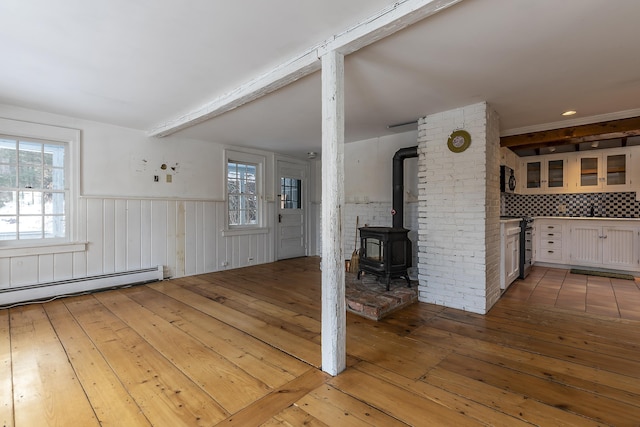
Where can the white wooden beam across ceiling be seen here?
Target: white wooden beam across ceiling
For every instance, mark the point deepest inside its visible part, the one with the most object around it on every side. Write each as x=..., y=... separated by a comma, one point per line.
x=388, y=21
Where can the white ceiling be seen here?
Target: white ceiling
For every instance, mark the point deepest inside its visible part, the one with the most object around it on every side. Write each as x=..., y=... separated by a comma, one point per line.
x=140, y=63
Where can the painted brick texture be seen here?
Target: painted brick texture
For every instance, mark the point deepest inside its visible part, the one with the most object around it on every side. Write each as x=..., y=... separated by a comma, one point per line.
x=458, y=212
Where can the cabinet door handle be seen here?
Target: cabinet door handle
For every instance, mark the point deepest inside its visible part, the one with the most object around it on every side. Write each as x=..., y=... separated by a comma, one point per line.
x=550, y=234
x=549, y=252
x=551, y=227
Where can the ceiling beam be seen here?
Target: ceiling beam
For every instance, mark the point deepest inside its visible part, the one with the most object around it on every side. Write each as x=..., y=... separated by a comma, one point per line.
x=388, y=21
x=611, y=129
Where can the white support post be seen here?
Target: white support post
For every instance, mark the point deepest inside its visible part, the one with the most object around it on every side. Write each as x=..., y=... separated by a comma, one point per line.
x=333, y=268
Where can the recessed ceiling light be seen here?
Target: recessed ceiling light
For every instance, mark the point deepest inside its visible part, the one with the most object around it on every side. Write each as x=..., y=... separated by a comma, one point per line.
x=569, y=113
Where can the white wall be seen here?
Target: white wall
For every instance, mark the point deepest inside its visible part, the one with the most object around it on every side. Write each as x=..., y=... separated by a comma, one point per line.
x=129, y=221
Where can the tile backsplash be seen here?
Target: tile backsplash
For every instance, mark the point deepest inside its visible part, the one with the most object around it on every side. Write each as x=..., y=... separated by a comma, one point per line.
x=612, y=205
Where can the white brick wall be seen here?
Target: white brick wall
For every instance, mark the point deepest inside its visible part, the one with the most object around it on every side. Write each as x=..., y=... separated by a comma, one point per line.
x=458, y=248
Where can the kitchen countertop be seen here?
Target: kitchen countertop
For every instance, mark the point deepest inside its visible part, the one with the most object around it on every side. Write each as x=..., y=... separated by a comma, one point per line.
x=588, y=218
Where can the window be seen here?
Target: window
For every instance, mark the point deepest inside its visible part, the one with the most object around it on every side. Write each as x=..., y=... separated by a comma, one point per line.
x=291, y=193
x=38, y=170
x=242, y=193
x=32, y=189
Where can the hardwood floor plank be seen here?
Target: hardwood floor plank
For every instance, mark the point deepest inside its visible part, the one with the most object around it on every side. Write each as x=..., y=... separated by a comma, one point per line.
x=616, y=386
x=229, y=385
x=407, y=356
x=334, y=407
x=550, y=344
x=165, y=395
x=396, y=402
x=272, y=404
x=283, y=340
x=6, y=379
x=268, y=364
x=453, y=401
x=45, y=388
x=554, y=394
x=112, y=403
x=269, y=313
x=294, y=416
x=164, y=352
x=516, y=405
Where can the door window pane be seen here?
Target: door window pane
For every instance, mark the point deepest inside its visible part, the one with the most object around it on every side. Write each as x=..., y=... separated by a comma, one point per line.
x=290, y=193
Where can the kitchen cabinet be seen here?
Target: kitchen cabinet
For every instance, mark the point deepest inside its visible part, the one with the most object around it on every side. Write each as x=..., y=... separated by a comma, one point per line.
x=599, y=244
x=604, y=171
x=549, y=246
x=544, y=174
x=510, y=252
x=612, y=244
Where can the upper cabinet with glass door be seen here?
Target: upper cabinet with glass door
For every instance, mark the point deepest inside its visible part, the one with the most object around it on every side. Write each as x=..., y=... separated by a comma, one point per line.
x=544, y=174
x=604, y=171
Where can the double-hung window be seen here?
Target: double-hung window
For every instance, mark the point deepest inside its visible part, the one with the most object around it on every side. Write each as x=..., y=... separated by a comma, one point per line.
x=33, y=189
x=36, y=196
x=242, y=193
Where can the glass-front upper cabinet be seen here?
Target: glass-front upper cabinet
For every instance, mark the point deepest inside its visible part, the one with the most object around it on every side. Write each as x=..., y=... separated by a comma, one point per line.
x=604, y=171
x=545, y=174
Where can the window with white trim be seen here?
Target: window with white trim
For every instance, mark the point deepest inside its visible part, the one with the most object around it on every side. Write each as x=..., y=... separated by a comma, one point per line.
x=242, y=194
x=33, y=189
x=37, y=173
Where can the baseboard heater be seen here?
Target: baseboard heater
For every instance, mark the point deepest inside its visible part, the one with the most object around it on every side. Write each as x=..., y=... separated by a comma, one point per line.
x=46, y=290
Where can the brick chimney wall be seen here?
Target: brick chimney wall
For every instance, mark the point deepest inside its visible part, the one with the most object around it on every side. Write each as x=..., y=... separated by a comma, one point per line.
x=459, y=209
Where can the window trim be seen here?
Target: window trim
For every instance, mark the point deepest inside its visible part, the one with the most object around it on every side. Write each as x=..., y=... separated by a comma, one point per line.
x=71, y=139
x=259, y=161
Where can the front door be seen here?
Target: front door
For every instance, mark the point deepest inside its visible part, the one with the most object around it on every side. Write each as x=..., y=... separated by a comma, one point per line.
x=291, y=225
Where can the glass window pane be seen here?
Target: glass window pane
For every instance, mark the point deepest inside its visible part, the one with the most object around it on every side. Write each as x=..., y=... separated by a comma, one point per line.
x=8, y=151
x=54, y=203
x=30, y=176
x=29, y=203
x=54, y=226
x=8, y=205
x=8, y=175
x=30, y=152
x=53, y=179
x=54, y=155
x=8, y=227
x=30, y=227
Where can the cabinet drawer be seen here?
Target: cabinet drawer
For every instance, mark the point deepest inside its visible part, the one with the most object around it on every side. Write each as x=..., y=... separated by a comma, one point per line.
x=551, y=228
x=550, y=254
x=551, y=235
x=550, y=244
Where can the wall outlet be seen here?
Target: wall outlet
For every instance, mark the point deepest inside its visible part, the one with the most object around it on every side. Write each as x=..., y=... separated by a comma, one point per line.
x=169, y=178
x=224, y=263
x=562, y=208
x=156, y=178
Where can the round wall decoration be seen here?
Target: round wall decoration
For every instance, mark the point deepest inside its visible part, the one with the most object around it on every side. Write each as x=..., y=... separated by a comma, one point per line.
x=459, y=141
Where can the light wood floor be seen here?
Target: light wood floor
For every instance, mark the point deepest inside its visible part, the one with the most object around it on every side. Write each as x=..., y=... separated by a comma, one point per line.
x=242, y=347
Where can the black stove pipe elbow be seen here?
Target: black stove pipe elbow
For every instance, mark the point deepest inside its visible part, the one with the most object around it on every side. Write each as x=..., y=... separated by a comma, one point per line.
x=398, y=184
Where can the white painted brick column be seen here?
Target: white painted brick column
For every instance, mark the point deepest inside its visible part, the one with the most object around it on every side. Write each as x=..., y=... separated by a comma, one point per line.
x=459, y=209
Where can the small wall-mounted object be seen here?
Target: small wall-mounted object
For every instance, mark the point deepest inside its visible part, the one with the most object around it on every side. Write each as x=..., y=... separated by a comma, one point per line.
x=169, y=178
x=459, y=141
x=156, y=178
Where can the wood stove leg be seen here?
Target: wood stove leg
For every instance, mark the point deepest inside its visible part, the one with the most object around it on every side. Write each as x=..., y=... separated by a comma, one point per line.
x=408, y=281
x=388, y=282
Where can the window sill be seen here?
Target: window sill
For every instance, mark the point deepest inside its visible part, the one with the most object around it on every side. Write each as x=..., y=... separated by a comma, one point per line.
x=244, y=231
x=42, y=249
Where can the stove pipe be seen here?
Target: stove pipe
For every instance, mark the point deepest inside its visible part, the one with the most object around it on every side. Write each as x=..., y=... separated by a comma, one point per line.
x=398, y=183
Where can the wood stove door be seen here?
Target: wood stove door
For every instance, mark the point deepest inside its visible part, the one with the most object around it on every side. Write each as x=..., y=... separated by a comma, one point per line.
x=291, y=227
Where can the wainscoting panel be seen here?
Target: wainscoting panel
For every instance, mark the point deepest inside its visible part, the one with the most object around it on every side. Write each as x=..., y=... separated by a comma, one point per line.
x=122, y=235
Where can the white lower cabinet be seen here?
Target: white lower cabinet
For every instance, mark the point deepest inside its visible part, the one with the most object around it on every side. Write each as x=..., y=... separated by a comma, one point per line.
x=510, y=236
x=610, y=244
x=605, y=246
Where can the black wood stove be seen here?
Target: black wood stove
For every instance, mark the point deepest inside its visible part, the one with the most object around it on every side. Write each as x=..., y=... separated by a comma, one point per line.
x=386, y=251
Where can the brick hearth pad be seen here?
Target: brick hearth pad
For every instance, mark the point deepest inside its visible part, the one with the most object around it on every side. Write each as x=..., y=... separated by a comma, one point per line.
x=369, y=298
